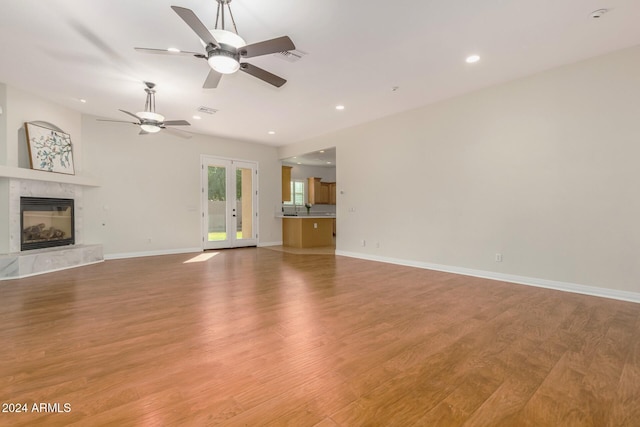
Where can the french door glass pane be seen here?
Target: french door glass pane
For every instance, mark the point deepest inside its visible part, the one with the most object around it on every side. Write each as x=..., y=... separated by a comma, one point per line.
x=217, y=199
x=244, y=203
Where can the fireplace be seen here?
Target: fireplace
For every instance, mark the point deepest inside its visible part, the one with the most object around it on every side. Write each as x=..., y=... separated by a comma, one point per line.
x=46, y=222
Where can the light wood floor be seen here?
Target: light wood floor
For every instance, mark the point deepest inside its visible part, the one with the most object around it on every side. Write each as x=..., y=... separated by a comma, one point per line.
x=261, y=337
x=322, y=250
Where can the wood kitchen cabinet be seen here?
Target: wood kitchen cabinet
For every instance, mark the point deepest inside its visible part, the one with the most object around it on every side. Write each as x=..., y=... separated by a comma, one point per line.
x=307, y=232
x=332, y=193
x=286, y=183
x=313, y=190
x=321, y=193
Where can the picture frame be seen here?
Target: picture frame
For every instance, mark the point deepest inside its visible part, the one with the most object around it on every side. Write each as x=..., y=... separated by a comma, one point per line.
x=50, y=150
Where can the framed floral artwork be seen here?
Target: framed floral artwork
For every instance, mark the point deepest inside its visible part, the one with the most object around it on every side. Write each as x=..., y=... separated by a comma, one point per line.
x=49, y=150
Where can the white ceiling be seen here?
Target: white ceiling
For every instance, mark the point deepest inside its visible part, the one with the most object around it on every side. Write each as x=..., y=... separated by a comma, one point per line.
x=358, y=50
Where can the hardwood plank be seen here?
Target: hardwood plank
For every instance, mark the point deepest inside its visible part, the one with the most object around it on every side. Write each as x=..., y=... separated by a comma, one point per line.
x=262, y=337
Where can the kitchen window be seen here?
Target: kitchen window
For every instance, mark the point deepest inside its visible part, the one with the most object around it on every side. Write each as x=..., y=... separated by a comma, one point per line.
x=297, y=193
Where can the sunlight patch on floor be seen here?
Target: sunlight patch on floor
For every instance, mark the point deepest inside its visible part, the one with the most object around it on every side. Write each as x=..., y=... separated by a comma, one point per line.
x=201, y=257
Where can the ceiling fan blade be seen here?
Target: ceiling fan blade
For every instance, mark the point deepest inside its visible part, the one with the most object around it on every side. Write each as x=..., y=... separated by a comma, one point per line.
x=116, y=121
x=212, y=80
x=132, y=115
x=142, y=132
x=196, y=24
x=169, y=52
x=178, y=132
x=262, y=74
x=176, y=123
x=281, y=44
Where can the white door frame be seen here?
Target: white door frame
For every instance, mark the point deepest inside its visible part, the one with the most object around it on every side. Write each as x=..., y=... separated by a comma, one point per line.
x=231, y=224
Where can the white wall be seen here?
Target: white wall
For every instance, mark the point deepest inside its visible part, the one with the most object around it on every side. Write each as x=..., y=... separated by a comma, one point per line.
x=543, y=170
x=150, y=188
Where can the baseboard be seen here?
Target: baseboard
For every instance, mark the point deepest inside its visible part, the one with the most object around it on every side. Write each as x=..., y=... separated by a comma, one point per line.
x=262, y=244
x=511, y=278
x=124, y=255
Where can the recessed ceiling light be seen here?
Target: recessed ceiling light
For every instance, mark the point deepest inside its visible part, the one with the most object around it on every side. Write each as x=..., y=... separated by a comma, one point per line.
x=84, y=101
x=328, y=163
x=339, y=107
x=174, y=50
x=321, y=151
x=299, y=163
x=472, y=59
x=272, y=132
x=197, y=117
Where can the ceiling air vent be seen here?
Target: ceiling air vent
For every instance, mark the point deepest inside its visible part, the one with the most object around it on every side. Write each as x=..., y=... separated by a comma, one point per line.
x=291, y=55
x=207, y=110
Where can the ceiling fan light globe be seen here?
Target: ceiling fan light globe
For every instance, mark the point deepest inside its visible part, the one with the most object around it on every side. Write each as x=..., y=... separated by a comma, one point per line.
x=224, y=64
x=150, y=115
x=150, y=128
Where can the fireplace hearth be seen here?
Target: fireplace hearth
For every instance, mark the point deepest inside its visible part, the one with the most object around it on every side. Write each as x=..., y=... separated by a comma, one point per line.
x=46, y=222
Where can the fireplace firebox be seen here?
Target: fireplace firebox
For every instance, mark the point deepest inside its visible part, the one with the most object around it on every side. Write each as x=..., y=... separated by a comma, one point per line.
x=46, y=222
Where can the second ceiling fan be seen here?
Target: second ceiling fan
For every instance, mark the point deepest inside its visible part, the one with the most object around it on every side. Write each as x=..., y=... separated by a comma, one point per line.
x=224, y=48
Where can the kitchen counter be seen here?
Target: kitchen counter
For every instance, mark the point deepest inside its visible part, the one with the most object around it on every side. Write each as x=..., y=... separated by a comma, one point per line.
x=307, y=231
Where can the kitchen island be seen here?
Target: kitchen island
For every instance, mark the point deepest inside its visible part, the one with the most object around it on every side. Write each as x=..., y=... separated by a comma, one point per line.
x=307, y=231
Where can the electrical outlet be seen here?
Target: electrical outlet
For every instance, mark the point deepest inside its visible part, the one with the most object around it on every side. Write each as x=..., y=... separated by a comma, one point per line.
x=498, y=257
x=315, y=225
x=363, y=243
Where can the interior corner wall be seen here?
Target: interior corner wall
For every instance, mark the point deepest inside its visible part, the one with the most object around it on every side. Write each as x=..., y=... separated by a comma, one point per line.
x=543, y=170
x=149, y=199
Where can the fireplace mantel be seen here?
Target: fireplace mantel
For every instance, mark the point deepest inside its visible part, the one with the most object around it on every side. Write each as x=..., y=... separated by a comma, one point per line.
x=35, y=175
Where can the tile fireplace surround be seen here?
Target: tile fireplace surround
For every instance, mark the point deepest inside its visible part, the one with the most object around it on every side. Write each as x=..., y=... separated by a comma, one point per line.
x=18, y=264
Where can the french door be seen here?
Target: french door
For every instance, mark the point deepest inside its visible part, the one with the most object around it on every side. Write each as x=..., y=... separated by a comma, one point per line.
x=229, y=200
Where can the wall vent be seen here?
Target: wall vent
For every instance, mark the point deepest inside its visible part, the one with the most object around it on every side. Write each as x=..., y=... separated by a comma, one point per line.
x=291, y=55
x=207, y=110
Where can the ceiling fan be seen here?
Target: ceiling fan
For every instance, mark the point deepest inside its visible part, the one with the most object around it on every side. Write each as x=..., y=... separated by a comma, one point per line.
x=150, y=121
x=224, y=48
